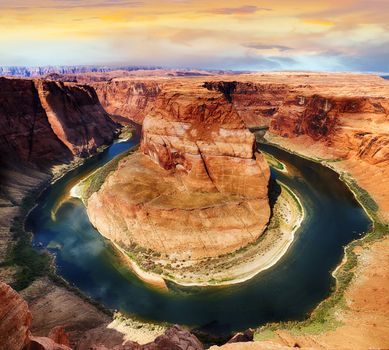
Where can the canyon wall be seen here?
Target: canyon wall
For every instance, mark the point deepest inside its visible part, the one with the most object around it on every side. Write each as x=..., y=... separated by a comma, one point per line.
x=342, y=119
x=15, y=319
x=43, y=124
x=128, y=99
x=197, y=188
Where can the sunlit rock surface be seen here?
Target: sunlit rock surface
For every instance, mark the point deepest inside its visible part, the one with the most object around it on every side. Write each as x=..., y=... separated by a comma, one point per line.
x=196, y=189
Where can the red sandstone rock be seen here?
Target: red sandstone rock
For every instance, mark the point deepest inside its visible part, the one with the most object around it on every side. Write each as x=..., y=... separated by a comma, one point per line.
x=127, y=99
x=15, y=319
x=175, y=338
x=43, y=343
x=59, y=336
x=44, y=123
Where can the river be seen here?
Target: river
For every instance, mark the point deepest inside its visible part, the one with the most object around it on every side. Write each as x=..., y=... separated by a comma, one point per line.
x=287, y=291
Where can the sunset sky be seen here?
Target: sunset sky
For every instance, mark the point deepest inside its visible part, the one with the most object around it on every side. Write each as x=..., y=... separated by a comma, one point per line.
x=336, y=35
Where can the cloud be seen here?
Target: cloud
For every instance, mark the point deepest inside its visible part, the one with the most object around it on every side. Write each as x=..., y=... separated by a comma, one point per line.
x=242, y=10
x=68, y=4
x=369, y=58
x=260, y=46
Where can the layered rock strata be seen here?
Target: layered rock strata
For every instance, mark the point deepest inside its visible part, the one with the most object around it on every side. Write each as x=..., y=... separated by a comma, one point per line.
x=196, y=189
x=42, y=124
x=128, y=99
x=15, y=319
x=340, y=118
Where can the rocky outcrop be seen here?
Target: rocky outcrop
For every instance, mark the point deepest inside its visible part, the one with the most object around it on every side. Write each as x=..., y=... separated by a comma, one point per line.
x=15, y=334
x=15, y=322
x=128, y=99
x=175, y=338
x=44, y=123
x=15, y=319
x=196, y=190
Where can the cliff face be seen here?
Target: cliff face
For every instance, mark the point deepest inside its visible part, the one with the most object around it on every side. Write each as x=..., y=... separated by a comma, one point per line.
x=15, y=319
x=207, y=142
x=42, y=124
x=128, y=99
x=347, y=114
x=196, y=190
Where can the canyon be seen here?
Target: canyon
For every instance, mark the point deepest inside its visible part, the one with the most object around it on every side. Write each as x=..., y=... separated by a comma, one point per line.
x=340, y=120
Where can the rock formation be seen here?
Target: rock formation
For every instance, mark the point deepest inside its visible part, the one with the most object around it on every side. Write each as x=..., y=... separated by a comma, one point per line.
x=15, y=319
x=196, y=190
x=175, y=338
x=15, y=322
x=45, y=123
x=127, y=99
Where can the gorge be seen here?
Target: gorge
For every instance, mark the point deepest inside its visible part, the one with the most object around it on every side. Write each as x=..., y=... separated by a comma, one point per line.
x=315, y=115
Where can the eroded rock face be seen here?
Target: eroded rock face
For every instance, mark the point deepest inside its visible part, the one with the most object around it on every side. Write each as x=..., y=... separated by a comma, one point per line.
x=44, y=122
x=196, y=190
x=15, y=319
x=128, y=99
x=206, y=142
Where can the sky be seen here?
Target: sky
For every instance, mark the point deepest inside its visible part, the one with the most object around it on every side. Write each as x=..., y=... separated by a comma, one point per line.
x=330, y=35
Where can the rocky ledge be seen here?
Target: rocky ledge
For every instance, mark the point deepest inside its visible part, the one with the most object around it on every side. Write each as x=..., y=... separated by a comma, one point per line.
x=196, y=189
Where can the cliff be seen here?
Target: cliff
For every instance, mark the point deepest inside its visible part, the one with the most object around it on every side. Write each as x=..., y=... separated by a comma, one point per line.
x=197, y=163
x=128, y=99
x=43, y=124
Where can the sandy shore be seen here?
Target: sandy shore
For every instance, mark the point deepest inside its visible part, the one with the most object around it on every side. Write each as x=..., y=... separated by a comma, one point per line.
x=146, y=276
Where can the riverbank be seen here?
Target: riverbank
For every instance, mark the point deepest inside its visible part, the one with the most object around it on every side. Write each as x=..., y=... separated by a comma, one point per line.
x=344, y=318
